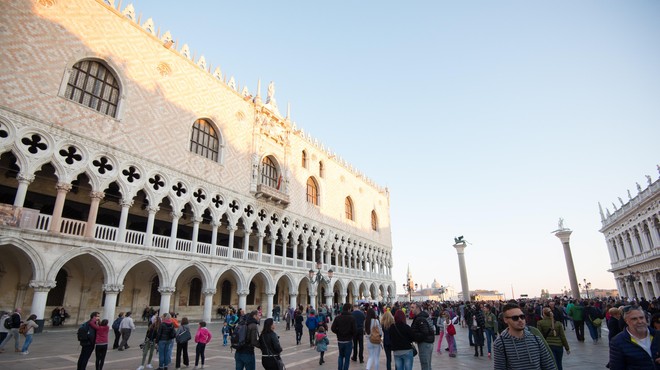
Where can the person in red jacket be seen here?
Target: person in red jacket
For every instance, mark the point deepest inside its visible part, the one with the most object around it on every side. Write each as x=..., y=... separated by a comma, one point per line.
x=202, y=338
x=102, y=330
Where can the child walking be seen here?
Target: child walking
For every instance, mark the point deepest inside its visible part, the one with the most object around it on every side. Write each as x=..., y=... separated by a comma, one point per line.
x=225, y=334
x=322, y=342
x=202, y=338
x=451, y=341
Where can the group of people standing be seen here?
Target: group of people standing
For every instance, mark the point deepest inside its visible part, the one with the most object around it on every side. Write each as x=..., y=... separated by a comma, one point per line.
x=12, y=326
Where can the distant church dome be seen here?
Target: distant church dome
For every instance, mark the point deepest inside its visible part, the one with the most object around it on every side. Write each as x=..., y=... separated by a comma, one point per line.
x=435, y=284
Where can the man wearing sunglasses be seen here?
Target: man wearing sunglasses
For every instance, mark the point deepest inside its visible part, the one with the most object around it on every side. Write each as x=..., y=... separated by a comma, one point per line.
x=517, y=348
x=637, y=346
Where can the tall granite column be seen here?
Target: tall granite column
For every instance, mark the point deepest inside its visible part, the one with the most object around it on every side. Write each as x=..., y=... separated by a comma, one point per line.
x=564, y=235
x=460, y=250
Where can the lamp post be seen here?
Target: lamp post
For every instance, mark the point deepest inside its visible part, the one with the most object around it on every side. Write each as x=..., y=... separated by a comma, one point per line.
x=442, y=291
x=409, y=288
x=632, y=277
x=317, y=277
x=586, y=286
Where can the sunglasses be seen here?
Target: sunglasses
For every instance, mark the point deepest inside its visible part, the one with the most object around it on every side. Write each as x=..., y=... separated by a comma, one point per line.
x=516, y=318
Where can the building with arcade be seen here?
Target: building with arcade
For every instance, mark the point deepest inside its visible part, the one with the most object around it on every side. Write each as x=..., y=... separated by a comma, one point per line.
x=135, y=174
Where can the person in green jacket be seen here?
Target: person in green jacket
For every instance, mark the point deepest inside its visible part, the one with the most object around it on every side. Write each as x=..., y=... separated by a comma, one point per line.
x=577, y=314
x=553, y=333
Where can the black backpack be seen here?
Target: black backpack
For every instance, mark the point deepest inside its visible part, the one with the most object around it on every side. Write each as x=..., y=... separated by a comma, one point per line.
x=8, y=322
x=239, y=335
x=85, y=334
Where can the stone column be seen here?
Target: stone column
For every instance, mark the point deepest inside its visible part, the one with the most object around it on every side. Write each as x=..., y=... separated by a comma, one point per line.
x=269, y=304
x=165, y=297
x=304, y=246
x=56, y=220
x=41, y=289
x=111, y=293
x=214, y=237
x=328, y=299
x=23, y=182
x=123, y=219
x=293, y=300
x=295, y=242
x=242, y=299
x=460, y=250
x=285, y=243
x=260, y=244
x=196, y=221
x=273, y=240
x=645, y=286
x=565, y=235
x=148, y=238
x=230, y=244
x=246, y=242
x=90, y=228
x=342, y=298
x=656, y=290
x=619, y=286
x=208, y=304
x=175, y=226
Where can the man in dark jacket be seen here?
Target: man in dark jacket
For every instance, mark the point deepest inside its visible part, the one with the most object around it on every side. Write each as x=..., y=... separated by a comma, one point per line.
x=345, y=327
x=245, y=356
x=358, y=338
x=15, y=320
x=641, y=353
x=87, y=347
x=422, y=328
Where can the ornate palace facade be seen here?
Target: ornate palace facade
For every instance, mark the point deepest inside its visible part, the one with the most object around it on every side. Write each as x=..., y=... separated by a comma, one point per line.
x=633, y=241
x=135, y=175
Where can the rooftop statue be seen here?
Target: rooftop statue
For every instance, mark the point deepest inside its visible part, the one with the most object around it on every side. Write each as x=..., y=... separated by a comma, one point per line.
x=459, y=240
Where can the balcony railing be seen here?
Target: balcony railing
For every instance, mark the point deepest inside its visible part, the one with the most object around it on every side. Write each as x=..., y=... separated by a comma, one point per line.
x=131, y=237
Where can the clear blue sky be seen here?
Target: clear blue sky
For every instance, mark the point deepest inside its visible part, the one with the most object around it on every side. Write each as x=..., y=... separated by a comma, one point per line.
x=485, y=119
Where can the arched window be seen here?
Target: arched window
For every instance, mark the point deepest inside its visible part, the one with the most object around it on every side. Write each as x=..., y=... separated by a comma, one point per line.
x=374, y=220
x=154, y=297
x=321, y=170
x=348, y=206
x=93, y=85
x=56, y=295
x=195, y=292
x=204, y=140
x=312, y=192
x=269, y=175
x=225, y=295
x=304, y=159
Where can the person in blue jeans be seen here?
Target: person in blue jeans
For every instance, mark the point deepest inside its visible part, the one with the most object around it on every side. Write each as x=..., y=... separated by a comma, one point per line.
x=401, y=336
x=244, y=356
x=166, y=332
x=345, y=327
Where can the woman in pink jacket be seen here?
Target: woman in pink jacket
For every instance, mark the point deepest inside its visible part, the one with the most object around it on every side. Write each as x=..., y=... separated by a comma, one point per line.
x=102, y=330
x=202, y=338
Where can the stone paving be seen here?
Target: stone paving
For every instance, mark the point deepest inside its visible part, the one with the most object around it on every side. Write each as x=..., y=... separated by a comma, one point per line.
x=57, y=348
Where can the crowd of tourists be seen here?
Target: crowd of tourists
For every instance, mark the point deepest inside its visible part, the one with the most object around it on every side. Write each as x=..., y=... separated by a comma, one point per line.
x=523, y=334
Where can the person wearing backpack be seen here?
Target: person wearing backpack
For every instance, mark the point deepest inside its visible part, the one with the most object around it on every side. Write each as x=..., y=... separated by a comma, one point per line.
x=422, y=328
x=375, y=337
x=183, y=336
x=554, y=335
x=13, y=326
x=101, y=341
x=247, y=327
x=164, y=336
x=87, y=339
x=311, y=323
x=115, y=329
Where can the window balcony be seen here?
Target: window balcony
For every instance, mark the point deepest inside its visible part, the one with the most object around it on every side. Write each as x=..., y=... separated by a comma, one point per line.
x=272, y=195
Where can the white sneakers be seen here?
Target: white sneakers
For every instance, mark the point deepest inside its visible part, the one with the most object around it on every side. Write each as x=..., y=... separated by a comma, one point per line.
x=140, y=368
x=149, y=366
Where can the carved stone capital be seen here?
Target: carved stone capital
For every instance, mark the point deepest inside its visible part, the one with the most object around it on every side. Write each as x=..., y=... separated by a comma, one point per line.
x=208, y=291
x=63, y=186
x=24, y=178
x=167, y=289
x=126, y=203
x=270, y=293
x=42, y=285
x=97, y=195
x=244, y=293
x=197, y=219
x=176, y=215
x=113, y=288
x=153, y=209
x=293, y=294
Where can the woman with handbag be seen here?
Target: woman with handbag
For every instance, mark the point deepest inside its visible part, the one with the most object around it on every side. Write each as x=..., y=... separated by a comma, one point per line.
x=269, y=343
x=401, y=338
x=183, y=336
x=374, y=338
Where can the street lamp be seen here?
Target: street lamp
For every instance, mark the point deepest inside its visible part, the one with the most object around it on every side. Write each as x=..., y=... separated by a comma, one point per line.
x=442, y=291
x=632, y=277
x=409, y=288
x=319, y=276
x=586, y=286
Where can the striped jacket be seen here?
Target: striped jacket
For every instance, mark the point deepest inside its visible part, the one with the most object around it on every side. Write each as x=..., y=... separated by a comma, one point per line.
x=527, y=353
